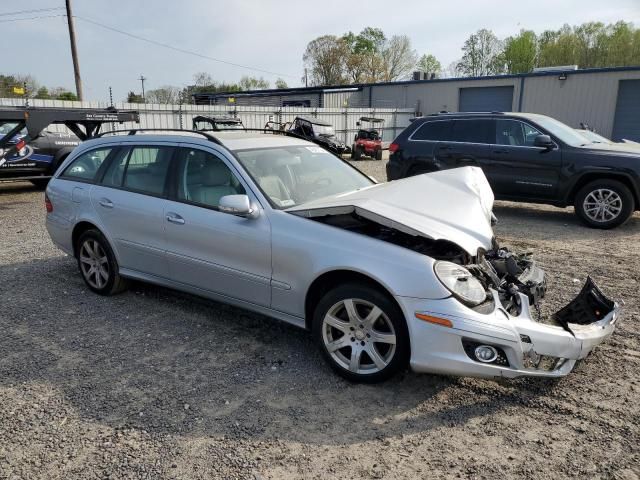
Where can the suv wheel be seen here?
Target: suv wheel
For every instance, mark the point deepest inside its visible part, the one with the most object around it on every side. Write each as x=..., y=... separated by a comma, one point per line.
x=362, y=333
x=379, y=154
x=604, y=203
x=98, y=265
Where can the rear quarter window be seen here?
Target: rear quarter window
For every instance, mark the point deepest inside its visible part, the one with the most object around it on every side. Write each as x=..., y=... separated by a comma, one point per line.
x=85, y=167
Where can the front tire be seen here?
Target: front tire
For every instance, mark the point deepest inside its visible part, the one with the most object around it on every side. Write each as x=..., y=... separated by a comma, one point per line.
x=98, y=265
x=362, y=333
x=357, y=153
x=604, y=203
x=378, y=154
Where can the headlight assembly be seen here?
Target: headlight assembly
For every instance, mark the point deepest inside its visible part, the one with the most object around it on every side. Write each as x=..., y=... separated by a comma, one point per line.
x=461, y=283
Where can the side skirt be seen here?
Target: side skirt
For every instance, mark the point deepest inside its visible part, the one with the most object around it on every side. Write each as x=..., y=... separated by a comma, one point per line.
x=201, y=292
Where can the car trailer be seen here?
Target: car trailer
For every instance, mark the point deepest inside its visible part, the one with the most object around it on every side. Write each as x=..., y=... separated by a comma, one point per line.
x=28, y=151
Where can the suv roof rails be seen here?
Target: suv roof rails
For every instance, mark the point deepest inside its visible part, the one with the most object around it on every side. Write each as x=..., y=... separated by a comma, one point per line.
x=444, y=112
x=133, y=131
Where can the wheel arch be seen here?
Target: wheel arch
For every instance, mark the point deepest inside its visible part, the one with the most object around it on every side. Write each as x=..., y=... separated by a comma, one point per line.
x=78, y=230
x=332, y=278
x=588, y=177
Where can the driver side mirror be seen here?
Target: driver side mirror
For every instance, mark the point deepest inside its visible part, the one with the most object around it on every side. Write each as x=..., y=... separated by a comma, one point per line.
x=543, y=141
x=238, y=205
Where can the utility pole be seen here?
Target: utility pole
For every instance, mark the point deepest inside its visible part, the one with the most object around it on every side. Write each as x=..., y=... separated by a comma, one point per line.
x=74, y=51
x=306, y=79
x=142, y=79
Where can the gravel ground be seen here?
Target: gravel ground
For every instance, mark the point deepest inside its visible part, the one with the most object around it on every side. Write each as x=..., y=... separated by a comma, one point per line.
x=157, y=384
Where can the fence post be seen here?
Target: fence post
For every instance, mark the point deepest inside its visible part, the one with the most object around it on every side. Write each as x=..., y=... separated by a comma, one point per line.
x=395, y=122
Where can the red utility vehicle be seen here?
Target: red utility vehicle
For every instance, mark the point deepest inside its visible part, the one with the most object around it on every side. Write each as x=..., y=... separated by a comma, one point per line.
x=368, y=140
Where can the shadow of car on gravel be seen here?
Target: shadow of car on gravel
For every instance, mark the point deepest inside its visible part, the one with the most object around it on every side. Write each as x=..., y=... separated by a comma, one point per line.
x=167, y=362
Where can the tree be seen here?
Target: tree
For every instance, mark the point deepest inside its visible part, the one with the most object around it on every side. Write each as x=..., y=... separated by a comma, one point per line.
x=482, y=55
x=429, y=64
x=253, y=83
x=134, y=98
x=43, y=94
x=280, y=83
x=203, y=79
x=167, y=95
x=398, y=58
x=363, y=62
x=66, y=95
x=521, y=52
x=324, y=59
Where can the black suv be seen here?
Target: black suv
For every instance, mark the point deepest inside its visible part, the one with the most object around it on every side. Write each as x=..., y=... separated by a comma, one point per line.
x=526, y=157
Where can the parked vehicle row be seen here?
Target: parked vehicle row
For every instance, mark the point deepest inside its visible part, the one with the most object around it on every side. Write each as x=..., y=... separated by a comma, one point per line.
x=385, y=276
x=526, y=157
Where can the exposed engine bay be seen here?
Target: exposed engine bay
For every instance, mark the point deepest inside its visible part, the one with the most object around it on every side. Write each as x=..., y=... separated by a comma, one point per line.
x=498, y=269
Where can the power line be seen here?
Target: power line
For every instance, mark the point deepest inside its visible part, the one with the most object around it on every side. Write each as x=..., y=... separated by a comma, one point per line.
x=31, y=18
x=182, y=50
x=20, y=12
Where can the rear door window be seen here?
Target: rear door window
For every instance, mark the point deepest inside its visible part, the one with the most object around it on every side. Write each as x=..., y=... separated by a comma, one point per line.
x=146, y=169
x=473, y=131
x=433, y=131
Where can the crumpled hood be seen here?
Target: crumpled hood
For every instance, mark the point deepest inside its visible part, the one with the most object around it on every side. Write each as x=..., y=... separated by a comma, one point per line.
x=452, y=205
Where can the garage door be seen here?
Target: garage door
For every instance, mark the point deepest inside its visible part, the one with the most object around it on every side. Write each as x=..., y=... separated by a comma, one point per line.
x=486, y=99
x=626, y=123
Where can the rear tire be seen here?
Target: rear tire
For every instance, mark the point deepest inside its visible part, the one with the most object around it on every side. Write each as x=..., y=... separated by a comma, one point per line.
x=357, y=153
x=362, y=333
x=378, y=154
x=97, y=264
x=604, y=204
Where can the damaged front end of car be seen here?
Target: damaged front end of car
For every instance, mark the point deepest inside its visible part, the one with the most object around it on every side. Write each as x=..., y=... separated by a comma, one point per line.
x=491, y=323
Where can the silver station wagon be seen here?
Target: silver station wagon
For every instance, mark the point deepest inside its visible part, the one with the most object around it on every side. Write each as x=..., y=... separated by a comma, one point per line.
x=385, y=276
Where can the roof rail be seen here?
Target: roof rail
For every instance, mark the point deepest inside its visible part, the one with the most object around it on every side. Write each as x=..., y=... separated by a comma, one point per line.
x=133, y=131
x=465, y=113
x=264, y=130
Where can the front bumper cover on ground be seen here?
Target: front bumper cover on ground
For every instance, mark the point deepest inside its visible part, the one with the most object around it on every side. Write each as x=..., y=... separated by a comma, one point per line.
x=526, y=347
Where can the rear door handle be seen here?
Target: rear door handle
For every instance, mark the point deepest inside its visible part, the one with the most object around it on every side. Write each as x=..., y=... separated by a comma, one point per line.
x=175, y=218
x=106, y=203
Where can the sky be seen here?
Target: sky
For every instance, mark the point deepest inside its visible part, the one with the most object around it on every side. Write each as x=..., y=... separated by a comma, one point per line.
x=267, y=35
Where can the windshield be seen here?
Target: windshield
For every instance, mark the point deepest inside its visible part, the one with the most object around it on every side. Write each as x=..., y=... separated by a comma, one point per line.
x=593, y=136
x=291, y=176
x=324, y=130
x=562, y=131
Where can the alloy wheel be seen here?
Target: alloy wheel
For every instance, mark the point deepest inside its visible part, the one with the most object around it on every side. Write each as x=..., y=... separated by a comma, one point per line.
x=94, y=263
x=602, y=205
x=359, y=336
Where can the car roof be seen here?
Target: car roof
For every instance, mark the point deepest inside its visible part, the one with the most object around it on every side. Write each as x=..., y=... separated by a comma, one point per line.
x=453, y=115
x=232, y=140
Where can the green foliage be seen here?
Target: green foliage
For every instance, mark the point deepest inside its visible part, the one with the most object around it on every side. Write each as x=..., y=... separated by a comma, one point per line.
x=43, y=94
x=429, y=63
x=66, y=96
x=253, y=83
x=134, y=98
x=280, y=83
x=482, y=55
x=521, y=52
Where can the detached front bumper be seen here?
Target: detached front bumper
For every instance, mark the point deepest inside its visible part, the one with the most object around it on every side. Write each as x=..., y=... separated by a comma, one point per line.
x=524, y=346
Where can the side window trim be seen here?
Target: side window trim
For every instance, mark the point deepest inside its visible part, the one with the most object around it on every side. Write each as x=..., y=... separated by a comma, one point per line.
x=526, y=124
x=99, y=179
x=411, y=139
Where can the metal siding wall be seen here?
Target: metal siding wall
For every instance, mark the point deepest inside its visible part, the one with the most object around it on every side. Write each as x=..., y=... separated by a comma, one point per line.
x=433, y=96
x=589, y=98
x=485, y=99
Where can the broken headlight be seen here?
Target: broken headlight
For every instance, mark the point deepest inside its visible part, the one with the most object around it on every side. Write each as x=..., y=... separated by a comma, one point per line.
x=459, y=281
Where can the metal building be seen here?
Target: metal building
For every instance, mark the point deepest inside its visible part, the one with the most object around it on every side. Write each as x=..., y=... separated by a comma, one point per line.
x=607, y=99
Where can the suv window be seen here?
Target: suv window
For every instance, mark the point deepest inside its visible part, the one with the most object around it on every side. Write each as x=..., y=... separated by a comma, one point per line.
x=146, y=169
x=516, y=133
x=86, y=165
x=204, y=179
x=473, y=131
x=435, y=130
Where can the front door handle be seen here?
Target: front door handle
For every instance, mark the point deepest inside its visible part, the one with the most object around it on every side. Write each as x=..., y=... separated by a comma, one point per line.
x=106, y=203
x=175, y=218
